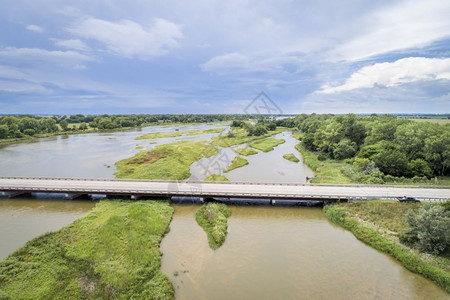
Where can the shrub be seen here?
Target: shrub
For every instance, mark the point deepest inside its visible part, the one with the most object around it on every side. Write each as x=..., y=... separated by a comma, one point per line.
x=322, y=157
x=429, y=229
x=419, y=168
x=29, y=132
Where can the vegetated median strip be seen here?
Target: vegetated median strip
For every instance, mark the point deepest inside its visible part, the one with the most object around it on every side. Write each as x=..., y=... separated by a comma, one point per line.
x=345, y=216
x=112, y=252
x=212, y=217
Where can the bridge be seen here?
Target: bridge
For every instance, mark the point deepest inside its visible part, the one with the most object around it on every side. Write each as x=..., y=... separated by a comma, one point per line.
x=244, y=190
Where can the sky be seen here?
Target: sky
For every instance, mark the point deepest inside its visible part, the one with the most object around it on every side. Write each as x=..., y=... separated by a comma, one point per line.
x=206, y=56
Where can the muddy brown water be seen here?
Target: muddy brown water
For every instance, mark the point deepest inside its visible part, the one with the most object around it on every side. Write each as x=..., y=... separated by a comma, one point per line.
x=283, y=253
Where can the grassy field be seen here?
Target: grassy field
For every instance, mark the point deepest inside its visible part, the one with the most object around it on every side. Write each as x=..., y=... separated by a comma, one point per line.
x=157, y=135
x=237, y=162
x=216, y=177
x=111, y=253
x=212, y=217
x=246, y=151
x=204, y=131
x=327, y=171
x=169, y=161
x=437, y=121
x=267, y=145
x=378, y=223
x=240, y=136
x=291, y=157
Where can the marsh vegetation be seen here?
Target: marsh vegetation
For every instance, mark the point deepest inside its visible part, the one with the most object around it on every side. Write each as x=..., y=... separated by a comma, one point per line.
x=112, y=252
x=212, y=217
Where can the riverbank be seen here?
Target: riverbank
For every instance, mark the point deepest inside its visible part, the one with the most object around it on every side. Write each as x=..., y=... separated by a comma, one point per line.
x=338, y=172
x=378, y=224
x=212, y=217
x=325, y=171
x=112, y=252
x=36, y=137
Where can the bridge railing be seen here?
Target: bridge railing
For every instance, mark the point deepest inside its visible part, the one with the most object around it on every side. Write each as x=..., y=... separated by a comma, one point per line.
x=222, y=182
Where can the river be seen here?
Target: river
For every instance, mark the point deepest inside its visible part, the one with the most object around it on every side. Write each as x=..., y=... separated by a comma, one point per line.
x=282, y=253
x=270, y=252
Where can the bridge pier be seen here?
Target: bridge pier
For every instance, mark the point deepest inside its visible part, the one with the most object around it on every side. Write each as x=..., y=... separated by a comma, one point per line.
x=273, y=202
x=70, y=196
x=14, y=194
x=206, y=199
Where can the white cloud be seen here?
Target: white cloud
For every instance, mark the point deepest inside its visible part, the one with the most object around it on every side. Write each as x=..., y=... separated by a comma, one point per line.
x=35, y=28
x=129, y=39
x=403, y=25
x=33, y=55
x=226, y=62
x=386, y=74
x=256, y=62
x=20, y=87
x=72, y=44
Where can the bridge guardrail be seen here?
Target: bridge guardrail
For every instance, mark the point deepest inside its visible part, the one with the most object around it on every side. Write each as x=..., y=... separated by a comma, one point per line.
x=200, y=194
x=223, y=182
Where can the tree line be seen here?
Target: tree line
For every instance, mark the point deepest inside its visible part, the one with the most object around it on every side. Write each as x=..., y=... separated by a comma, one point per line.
x=20, y=126
x=379, y=145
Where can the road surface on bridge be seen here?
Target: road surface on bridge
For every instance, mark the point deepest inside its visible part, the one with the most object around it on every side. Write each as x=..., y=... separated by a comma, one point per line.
x=216, y=189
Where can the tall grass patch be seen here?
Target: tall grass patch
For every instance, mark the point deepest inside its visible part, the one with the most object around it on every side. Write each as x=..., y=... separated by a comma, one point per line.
x=212, y=217
x=111, y=253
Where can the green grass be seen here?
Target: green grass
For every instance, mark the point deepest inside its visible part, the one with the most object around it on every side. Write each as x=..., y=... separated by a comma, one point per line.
x=111, y=253
x=246, y=151
x=169, y=161
x=237, y=162
x=377, y=223
x=157, y=135
x=328, y=171
x=204, y=131
x=298, y=135
x=216, y=177
x=212, y=217
x=267, y=145
x=240, y=136
x=291, y=157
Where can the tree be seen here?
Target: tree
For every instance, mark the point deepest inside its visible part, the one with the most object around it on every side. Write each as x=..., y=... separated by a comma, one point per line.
x=64, y=124
x=345, y=149
x=392, y=162
x=3, y=131
x=29, y=132
x=420, y=168
x=83, y=126
x=429, y=229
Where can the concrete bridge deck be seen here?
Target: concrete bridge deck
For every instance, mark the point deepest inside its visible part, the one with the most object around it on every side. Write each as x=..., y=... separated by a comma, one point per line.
x=282, y=191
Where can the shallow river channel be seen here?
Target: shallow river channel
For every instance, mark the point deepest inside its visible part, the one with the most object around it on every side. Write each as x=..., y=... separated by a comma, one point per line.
x=271, y=252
